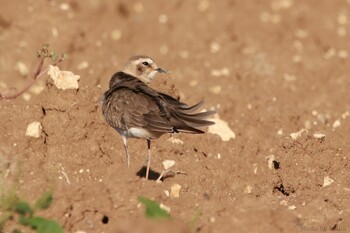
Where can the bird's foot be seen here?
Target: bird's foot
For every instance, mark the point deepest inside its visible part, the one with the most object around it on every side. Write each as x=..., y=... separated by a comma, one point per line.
x=173, y=173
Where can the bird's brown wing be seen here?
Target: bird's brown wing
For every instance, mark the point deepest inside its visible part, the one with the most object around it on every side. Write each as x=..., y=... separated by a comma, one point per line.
x=125, y=108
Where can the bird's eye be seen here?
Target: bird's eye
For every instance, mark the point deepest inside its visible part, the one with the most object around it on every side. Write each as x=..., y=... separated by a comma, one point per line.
x=145, y=63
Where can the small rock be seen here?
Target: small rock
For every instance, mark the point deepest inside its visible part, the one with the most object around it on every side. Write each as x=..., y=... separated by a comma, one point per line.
x=336, y=124
x=22, y=68
x=63, y=79
x=215, y=89
x=248, y=189
x=270, y=160
x=319, y=135
x=83, y=65
x=34, y=129
x=292, y=207
x=116, y=34
x=327, y=181
x=163, y=19
x=222, y=129
x=297, y=134
x=167, y=193
x=175, y=190
x=175, y=141
x=164, y=207
x=167, y=164
x=280, y=132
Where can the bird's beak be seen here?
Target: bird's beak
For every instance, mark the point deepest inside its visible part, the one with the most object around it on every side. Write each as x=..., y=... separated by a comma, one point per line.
x=160, y=70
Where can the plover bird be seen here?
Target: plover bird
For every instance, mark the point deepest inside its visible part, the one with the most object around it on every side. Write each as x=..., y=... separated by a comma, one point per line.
x=135, y=110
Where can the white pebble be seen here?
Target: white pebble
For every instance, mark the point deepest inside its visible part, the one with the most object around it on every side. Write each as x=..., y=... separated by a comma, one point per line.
x=280, y=132
x=116, y=34
x=248, y=189
x=22, y=68
x=34, y=129
x=270, y=160
x=297, y=134
x=167, y=164
x=222, y=129
x=175, y=140
x=292, y=207
x=64, y=6
x=336, y=124
x=164, y=207
x=163, y=19
x=63, y=79
x=215, y=47
x=83, y=65
x=215, y=90
x=327, y=181
x=175, y=190
x=319, y=135
x=167, y=193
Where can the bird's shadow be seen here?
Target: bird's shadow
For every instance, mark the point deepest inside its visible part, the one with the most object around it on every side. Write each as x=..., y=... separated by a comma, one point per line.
x=153, y=175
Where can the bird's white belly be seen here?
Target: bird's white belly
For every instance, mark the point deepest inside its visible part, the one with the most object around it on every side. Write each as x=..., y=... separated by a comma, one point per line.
x=138, y=133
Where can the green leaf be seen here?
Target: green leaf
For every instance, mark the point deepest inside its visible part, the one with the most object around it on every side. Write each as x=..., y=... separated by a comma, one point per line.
x=45, y=201
x=43, y=225
x=16, y=231
x=153, y=209
x=23, y=208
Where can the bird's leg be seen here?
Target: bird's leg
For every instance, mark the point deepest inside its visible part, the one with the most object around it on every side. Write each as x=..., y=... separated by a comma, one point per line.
x=127, y=157
x=148, y=159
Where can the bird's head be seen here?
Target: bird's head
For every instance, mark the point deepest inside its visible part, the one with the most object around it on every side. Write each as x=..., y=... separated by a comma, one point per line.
x=143, y=68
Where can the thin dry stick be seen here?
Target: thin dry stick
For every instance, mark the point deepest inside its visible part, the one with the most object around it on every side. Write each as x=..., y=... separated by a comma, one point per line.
x=43, y=54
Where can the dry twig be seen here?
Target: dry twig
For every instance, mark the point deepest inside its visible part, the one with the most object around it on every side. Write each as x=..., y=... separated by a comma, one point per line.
x=42, y=55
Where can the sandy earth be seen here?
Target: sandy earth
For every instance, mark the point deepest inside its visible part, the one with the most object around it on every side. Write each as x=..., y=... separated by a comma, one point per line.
x=276, y=71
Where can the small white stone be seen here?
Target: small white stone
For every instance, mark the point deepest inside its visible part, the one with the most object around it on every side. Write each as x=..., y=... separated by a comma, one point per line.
x=64, y=6
x=54, y=32
x=222, y=129
x=167, y=164
x=336, y=124
x=292, y=207
x=319, y=135
x=167, y=193
x=284, y=202
x=214, y=47
x=116, y=34
x=219, y=156
x=297, y=134
x=215, y=90
x=63, y=79
x=81, y=170
x=248, y=189
x=212, y=219
x=175, y=190
x=327, y=181
x=255, y=170
x=175, y=140
x=280, y=132
x=270, y=160
x=343, y=54
x=163, y=19
x=80, y=232
x=22, y=68
x=289, y=77
x=34, y=129
x=164, y=207
x=83, y=65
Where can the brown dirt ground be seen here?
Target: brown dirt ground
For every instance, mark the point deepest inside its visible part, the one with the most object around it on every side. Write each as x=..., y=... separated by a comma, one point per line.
x=286, y=67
